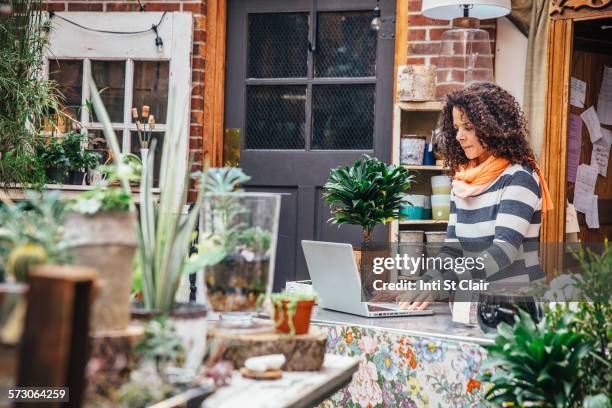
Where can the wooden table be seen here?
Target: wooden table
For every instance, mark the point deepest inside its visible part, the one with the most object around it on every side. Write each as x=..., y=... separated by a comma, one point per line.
x=296, y=389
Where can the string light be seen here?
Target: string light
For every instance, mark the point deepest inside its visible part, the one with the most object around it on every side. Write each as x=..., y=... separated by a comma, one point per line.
x=159, y=43
x=376, y=23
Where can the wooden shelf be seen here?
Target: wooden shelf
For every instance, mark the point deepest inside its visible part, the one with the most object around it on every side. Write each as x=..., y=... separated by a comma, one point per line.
x=425, y=168
x=66, y=191
x=431, y=106
x=423, y=222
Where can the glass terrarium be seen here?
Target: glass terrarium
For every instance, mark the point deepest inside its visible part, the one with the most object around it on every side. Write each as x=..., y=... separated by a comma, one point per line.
x=241, y=229
x=465, y=57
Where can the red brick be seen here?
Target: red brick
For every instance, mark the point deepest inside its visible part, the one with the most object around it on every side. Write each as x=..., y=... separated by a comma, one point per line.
x=85, y=7
x=199, y=35
x=192, y=196
x=423, y=48
x=195, y=144
x=197, y=63
x=198, y=89
x=414, y=5
x=122, y=6
x=416, y=35
x=197, y=117
x=442, y=90
x=420, y=20
x=436, y=33
x=194, y=7
x=199, y=49
x=195, y=130
x=162, y=6
x=415, y=61
x=55, y=7
x=197, y=76
x=197, y=104
x=199, y=22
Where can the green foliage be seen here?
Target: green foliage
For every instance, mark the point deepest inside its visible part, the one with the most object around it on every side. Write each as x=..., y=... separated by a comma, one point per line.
x=50, y=153
x=534, y=364
x=79, y=159
x=35, y=222
x=366, y=194
x=596, y=273
x=256, y=239
x=22, y=168
x=225, y=179
x=102, y=199
x=160, y=344
x=26, y=99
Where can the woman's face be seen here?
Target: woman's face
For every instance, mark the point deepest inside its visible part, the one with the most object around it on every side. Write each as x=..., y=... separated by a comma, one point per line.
x=466, y=136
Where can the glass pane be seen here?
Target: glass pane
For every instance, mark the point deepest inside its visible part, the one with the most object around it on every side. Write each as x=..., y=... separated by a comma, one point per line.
x=343, y=117
x=277, y=45
x=97, y=142
x=135, y=148
x=346, y=45
x=151, y=88
x=275, y=117
x=69, y=77
x=109, y=77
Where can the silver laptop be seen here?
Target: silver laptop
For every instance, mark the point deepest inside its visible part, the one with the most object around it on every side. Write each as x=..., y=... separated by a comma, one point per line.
x=335, y=278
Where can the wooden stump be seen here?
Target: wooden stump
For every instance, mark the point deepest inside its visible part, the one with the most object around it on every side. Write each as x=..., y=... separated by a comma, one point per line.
x=303, y=353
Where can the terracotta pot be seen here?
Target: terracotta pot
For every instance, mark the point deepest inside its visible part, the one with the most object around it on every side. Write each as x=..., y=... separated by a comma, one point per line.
x=190, y=325
x=301, y=319
x=106, y=241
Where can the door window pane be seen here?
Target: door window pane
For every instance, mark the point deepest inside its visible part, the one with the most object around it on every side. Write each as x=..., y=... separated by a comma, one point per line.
x=97, y=143
x=151, y=87
x=109, y=77
x=68, y=74
x=135, y=148
x=277, y=45
x=346, y=45
x=343, y=117
x=275, y=117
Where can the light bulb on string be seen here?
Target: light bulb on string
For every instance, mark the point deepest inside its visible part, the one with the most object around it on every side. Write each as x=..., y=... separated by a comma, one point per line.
x=376, y=23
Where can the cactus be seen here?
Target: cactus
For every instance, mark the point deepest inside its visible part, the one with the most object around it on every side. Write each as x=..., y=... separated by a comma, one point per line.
x=22, y=257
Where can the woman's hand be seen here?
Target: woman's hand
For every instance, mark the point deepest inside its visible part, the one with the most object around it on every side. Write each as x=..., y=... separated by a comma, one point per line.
x=416, y=299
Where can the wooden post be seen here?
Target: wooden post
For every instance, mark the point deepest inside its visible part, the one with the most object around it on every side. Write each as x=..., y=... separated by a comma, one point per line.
x=55, y=339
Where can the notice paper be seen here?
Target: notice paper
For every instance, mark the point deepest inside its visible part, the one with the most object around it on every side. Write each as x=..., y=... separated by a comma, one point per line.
x=592, y=217
x=591, y=120
x=577, y=92
x=574, y=145
x=601, y=153
x=604, y=100
x=584, y=190
x=571, y=219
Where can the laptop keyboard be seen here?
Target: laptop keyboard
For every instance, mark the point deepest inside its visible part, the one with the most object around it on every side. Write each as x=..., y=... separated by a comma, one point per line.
x=373, y=308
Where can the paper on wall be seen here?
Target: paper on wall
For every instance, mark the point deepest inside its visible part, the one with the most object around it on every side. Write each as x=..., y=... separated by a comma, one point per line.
x=604, y=100
x=571, y=219
x=591, y=120
x=577, y=92
x=601, y=153
x=592, y=217
x=574, y=146
x=584, y=190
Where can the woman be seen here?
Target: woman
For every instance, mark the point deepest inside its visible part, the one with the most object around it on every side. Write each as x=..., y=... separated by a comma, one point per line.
x=498, y=192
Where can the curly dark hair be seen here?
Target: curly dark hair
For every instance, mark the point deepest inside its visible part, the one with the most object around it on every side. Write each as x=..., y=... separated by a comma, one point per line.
x=498, y=119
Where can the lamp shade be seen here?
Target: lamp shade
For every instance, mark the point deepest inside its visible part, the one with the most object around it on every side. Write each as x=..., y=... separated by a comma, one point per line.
x=450, y=9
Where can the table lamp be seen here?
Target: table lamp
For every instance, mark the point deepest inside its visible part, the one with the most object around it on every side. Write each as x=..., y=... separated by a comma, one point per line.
x=465, y=50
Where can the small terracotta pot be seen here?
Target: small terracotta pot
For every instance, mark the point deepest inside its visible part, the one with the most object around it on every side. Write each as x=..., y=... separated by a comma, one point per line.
x=301, y=319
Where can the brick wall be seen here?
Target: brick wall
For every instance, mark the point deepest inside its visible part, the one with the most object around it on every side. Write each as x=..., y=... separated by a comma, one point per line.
x=198, y=8
x=424, y=35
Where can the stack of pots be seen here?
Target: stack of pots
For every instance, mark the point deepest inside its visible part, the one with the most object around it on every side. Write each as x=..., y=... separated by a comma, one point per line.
x=440, y=199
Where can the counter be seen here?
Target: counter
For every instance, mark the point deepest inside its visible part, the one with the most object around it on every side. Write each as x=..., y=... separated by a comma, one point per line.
x=414, y=361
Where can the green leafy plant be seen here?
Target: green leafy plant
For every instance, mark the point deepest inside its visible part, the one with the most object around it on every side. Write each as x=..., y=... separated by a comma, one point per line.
x=26, y=98
x=51, y=154
x=160, y=344
x=102, y=199
x=31, y=233
x=22, y=169
x=367, y=193
x=79, y=159
x=534, y=365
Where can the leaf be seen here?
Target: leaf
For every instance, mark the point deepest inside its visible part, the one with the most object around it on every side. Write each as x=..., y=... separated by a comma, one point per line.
x=597, y=401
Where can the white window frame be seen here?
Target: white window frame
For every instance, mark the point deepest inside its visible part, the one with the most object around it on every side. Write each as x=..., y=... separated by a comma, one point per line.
x=67, y=41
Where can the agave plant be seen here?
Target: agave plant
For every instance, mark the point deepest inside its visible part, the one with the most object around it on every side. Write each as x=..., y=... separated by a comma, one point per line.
x=366, y=194
x=164, y=232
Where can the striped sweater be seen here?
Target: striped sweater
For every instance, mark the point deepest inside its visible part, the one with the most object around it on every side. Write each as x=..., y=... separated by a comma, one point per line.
x=500, y=225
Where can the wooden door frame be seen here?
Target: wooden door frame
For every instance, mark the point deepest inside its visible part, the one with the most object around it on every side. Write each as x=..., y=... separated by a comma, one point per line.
x=554, y=158
x=214, y=73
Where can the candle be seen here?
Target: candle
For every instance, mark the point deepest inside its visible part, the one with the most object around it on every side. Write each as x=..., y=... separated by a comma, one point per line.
x=151, y=122
x=145, y=111
x=134, y=113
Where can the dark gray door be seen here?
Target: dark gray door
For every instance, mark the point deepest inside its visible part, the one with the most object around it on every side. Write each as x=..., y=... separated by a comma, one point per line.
x=309, y=84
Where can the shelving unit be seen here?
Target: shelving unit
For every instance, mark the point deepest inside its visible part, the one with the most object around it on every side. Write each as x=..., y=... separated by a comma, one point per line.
x=65, y=191
x=418, y=118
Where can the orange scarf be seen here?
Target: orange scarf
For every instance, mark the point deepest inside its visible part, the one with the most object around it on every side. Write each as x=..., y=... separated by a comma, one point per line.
x=474, y=179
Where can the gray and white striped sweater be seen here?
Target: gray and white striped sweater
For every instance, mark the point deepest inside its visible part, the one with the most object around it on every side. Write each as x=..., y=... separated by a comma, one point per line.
x=500, y=225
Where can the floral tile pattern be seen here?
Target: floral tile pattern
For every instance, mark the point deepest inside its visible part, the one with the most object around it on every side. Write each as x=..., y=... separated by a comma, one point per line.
x=396, y=370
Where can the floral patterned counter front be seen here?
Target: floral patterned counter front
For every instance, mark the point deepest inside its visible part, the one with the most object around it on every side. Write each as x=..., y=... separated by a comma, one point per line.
x=401, y=369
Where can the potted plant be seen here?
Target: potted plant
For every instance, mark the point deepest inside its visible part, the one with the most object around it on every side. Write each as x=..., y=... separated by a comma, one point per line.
x=165, y=233
x=80, y=160
x=367, y=194
x=51, y=154
x=292, y=312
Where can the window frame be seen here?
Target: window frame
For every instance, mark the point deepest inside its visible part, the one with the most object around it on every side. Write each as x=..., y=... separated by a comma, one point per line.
x=68, y=42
